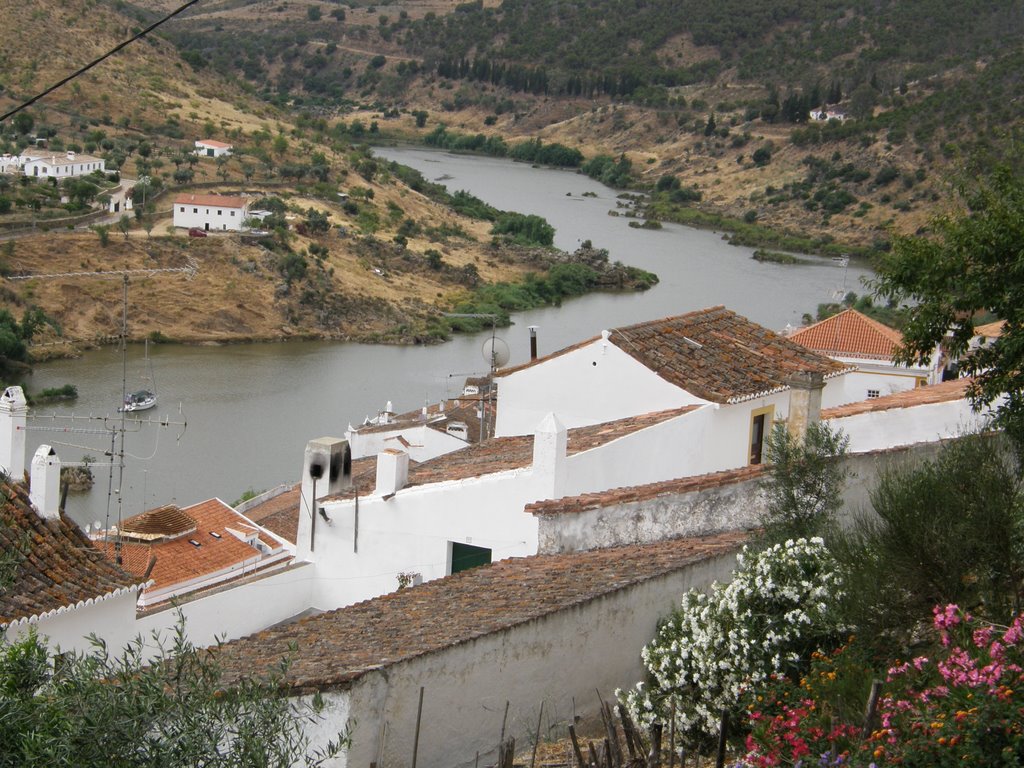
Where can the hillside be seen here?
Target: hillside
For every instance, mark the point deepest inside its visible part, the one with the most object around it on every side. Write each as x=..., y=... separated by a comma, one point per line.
x=357, y=249
x=923, y=87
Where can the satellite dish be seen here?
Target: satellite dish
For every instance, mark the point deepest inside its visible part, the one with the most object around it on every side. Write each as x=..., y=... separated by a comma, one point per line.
x=495, y=352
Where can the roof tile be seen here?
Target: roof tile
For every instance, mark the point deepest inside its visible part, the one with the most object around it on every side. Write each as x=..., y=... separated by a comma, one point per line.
x=852, y=334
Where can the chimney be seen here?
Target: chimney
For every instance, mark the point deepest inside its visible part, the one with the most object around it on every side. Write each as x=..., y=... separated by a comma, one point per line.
x=533, y=342
x=13, y=413
x=804, y=402
x=392, y=471
x=45, y=491
x=326, y=469
x=549, y=456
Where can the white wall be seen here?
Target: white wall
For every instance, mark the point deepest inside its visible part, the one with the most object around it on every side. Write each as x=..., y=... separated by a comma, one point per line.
x=853, y=387
x=239, y=610
x=217, y=217
x=112, y=619
x=410, y=532
x=894, y=427
x=424, y=443
x=466, y=685
x=44, y=167
x=593, y=384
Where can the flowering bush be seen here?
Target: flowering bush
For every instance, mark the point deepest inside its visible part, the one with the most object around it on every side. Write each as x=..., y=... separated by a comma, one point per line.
x=811, y=722
x=963, y=707
x=777, y=610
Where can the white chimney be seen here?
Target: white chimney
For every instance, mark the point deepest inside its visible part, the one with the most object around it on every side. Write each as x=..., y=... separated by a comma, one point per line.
x=549, y=456
x=326, y=470
x=392, y=471
x=45, y=491
x=13, y=412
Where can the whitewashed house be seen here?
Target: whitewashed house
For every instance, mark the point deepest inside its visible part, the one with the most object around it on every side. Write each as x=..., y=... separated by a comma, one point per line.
x=868, y=346
x=62, y=166
x=62, y=587
x=211, y=213
x=183, y=551
x=211, y=148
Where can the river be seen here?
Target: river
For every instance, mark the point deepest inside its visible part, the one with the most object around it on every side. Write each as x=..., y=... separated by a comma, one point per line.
x=251, y=408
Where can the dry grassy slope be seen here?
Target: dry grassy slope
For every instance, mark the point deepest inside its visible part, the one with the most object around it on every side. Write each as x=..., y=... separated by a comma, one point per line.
x=236, y=294
x=42, y=41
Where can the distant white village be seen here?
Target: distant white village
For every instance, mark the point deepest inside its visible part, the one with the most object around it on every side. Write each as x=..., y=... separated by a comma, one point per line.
x=485, y=549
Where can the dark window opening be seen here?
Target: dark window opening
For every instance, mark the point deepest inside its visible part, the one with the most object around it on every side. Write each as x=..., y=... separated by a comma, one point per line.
x=466, y=556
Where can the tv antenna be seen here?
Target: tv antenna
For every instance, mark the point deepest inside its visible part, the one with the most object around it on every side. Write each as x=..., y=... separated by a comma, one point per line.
x=495, y=353
x=113, y=427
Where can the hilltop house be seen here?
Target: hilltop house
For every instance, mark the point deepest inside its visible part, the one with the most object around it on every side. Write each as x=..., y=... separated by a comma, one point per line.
x=215, y=213
x=868, y=346
x=62, y=166
x=211, y=148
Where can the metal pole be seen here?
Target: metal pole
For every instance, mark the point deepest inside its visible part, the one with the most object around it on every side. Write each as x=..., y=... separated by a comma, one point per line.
x=416, y=738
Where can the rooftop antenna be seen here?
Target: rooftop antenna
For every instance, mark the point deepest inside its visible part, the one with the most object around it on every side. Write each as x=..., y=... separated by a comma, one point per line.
x=495, y=353
x=110, y=427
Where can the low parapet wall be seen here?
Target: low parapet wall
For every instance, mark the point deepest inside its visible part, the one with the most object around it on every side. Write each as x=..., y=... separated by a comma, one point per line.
x=694, y=506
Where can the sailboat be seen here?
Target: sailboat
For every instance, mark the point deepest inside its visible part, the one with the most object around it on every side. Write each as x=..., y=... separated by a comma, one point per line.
x=142, y=399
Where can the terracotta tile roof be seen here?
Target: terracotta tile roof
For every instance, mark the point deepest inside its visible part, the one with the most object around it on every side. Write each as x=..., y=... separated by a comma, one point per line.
x=214, y=144
x=58, y=566
x=850, y=334
x=179, y=560
x=713, y=353
x=159, y=523
x=501, y=454
x=990, y=330
x=937, y=393
x=219, y=201
x=338, y=647
x=615, y=496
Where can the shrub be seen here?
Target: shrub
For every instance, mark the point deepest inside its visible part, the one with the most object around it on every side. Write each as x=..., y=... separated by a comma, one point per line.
x=950, y=530
x=775, y=612
x=805, y=482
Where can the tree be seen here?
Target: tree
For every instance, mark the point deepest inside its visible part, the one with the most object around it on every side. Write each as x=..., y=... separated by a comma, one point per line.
x=969, y=264
x=805, y=482
x=280, y=144
x=103, y=232
x=90, y=709
x=124, y=224
x=862, y=101
x=709, y=127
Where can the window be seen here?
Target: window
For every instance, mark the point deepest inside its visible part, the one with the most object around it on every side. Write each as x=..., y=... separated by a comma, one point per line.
x=232, y=213
x=195, y=210
x=760, y=423
x=220, y=212
x=466, y=556
x=183, y=209
x=873, y=393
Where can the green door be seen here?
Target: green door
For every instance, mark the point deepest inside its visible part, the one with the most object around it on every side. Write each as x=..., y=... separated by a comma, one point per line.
x=466, y=556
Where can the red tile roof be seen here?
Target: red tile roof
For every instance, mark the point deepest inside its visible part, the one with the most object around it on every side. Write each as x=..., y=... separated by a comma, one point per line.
x=990, y=330
x=56, y=564
x=337, y=647
x=614, y=496
x=179, y=560
x=213, y=143
x=218, y=201
x=162, y=522
x=945, y=392
x=713, y=353
x=850, y=334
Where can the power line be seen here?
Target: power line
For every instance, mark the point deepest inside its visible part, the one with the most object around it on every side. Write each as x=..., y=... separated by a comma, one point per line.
x=94, y=62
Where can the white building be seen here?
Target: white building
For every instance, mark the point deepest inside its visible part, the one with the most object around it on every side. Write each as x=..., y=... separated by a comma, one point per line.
x=62, y=166
x=211, y=213
x=62, y=587
x=868, y=346
x=211, y=148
